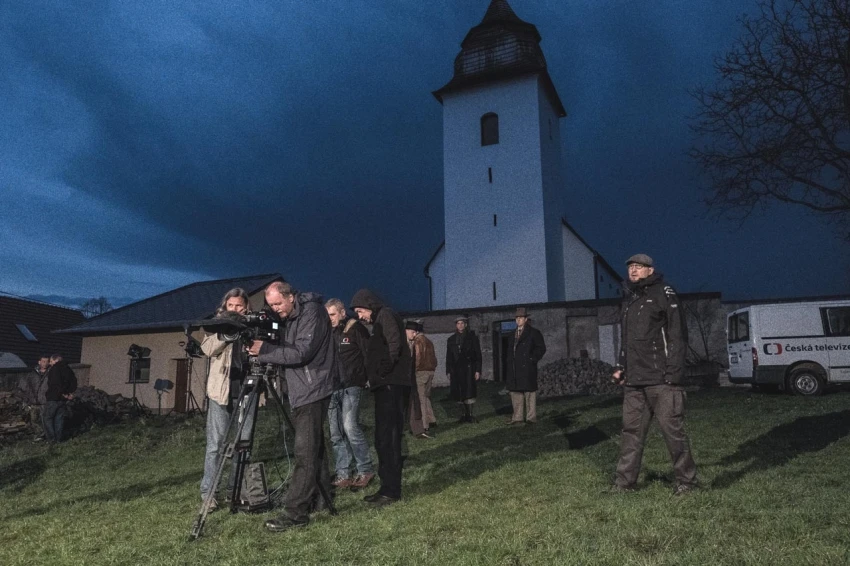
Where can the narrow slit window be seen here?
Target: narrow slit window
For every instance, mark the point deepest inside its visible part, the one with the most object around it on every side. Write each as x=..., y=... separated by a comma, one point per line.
x=495, y=222
x=489, y=129
x=490, y=174
x=494, y=290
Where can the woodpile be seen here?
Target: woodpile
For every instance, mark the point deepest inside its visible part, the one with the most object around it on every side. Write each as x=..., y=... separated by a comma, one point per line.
x=88, y=407
x=576, y=376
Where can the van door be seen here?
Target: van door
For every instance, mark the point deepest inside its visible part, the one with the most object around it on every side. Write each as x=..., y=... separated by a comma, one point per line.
x=739, y=347
x=836, y=322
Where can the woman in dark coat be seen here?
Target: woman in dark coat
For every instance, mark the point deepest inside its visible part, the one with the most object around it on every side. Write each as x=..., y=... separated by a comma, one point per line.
x=463, y=367
x=525, y=348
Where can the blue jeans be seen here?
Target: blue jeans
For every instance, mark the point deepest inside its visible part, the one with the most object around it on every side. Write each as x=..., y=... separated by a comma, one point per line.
x=218, y=416
x=54, y=420
x=347, y=437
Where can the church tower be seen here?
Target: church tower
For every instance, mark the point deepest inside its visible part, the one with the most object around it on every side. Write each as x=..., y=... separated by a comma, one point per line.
x=504, y=237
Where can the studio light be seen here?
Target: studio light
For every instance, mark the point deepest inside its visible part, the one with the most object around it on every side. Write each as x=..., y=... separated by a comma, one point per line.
x=137, y=352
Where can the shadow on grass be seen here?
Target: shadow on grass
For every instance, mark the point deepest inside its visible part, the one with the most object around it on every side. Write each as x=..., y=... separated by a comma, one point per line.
x=468, y=458
x=161, y=487
x=782, y=443
x=21, y=474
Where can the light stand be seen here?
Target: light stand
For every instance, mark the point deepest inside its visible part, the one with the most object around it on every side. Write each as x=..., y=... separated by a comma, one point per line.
x=192, y=350
x=136, y=353
x=162, y=386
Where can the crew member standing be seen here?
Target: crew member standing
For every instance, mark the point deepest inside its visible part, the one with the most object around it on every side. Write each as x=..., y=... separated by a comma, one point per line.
x=651, y=369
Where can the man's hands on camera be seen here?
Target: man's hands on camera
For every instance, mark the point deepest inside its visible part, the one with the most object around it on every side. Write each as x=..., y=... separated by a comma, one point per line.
x=254, y=348
x=619, y=377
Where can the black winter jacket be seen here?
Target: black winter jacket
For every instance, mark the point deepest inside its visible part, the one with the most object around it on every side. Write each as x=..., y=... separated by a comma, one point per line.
x=60, y=381
x=388, y=359
x=352, y=339
x=654, y=333
x=308, y=352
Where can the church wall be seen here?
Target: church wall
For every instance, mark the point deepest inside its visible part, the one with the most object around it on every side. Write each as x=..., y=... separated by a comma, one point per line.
x=477, y=252
x=437, y=274
x=552, y=183
x=579, y=262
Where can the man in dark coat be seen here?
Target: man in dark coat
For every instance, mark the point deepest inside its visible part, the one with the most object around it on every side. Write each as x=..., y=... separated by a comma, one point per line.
x=463, y=367
x=388, y=367
x=308, y=354
x=525, y=348
x=61, y=384
x=651, y=369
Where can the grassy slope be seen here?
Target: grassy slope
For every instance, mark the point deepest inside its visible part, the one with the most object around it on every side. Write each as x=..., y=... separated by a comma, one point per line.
x=774, y=470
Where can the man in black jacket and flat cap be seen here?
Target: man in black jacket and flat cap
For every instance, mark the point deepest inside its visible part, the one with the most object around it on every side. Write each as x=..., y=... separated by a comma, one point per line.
x=651, y=369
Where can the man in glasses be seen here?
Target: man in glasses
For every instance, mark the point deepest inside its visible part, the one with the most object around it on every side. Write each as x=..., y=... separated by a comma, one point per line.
x=651, y=369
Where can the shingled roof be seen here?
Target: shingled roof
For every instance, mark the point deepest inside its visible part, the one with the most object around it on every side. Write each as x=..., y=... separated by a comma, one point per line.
x=171, y=310
x=19, y=316
x=501, y=46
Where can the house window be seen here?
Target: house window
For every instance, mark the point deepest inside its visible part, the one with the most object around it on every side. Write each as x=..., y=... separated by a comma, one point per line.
x=22, y=328
x=489, y=129
x=140, y=370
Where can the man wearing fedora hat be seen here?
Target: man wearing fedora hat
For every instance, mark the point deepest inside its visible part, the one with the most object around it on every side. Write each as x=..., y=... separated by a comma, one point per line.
x=525, y=348
x=424, y=364
x=463, y=367
x=651, y=368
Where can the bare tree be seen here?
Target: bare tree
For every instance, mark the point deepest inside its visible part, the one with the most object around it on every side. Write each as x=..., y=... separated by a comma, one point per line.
x=776, y=125
x=94, y=307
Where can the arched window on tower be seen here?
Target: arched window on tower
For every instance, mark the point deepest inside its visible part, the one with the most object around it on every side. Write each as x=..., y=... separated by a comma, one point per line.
x=489, y=129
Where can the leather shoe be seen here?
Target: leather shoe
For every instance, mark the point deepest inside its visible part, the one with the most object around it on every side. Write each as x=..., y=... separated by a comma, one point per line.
x=284, y=523
x=382, y=501
x=372, y=498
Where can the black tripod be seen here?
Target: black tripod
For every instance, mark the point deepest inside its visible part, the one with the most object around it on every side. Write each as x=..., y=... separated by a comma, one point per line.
x=240, y=448
x=137, y=408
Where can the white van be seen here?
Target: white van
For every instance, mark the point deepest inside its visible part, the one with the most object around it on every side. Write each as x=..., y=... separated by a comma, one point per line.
x=799, y=347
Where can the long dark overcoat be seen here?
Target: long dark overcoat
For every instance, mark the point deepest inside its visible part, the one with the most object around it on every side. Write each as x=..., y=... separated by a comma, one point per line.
x=462, y=364
x=522, y=359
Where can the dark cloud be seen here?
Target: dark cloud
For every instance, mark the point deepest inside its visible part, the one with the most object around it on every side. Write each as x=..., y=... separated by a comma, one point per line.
x=166, y=141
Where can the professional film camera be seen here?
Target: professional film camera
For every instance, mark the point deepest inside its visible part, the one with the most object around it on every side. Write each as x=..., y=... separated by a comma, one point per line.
x=261, y=325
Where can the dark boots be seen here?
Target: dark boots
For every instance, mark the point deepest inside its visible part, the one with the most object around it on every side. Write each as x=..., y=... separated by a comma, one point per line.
x=467, y=414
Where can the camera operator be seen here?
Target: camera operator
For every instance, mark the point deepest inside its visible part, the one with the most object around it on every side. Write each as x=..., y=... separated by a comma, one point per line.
x=227, y=371
x=308, y=355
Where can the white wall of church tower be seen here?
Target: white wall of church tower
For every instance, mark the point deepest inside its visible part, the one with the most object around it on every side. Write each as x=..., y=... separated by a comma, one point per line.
x=496, y=229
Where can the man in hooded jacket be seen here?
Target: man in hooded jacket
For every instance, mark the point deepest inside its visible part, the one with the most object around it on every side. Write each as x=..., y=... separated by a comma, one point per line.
x=388, y=367
x=651, y=369
x=308, y=354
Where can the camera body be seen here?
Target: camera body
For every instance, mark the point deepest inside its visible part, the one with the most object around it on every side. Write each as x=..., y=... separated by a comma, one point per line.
x=261, y=325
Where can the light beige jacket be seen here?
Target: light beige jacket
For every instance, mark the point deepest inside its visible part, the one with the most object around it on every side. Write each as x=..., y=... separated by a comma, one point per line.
x=221, y=356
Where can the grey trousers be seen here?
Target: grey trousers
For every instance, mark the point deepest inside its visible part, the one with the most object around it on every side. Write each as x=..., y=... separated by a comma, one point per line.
x=667, y=404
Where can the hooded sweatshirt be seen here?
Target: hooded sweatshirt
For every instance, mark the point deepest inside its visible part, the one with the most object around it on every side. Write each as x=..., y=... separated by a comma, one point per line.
x=388, y=359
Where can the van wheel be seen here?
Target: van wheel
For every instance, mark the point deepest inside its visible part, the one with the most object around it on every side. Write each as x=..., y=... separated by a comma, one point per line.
x=806, y=380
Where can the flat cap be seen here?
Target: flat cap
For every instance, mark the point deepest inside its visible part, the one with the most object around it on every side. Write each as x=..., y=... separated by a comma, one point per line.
x=642, y=259
x=462, y=317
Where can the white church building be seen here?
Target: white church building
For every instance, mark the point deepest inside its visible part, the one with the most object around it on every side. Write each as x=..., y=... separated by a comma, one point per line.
x=506, y=240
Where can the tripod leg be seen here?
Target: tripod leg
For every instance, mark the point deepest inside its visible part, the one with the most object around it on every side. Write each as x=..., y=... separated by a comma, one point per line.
x=221, y=460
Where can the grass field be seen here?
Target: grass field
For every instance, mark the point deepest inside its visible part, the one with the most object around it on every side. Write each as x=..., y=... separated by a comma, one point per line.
x=773, y=469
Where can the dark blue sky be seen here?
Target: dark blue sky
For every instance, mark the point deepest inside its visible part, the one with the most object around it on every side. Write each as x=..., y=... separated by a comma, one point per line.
x=148, y=145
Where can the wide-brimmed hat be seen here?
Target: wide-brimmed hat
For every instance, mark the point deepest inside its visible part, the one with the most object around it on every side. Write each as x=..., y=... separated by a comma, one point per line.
x=521, y=311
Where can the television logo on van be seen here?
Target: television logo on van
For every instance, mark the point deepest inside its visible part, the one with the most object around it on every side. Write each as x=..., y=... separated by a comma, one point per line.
x=772, y=349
